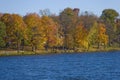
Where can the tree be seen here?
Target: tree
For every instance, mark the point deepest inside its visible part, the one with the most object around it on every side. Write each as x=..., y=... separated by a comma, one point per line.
x=35, y=31
x=117, y=37
x=93, y=35
x=97, y=35
x=1, y=15
x=15, y=29
x=81, y=37
x=102, y=36
x=45, y=12
x=2, y=34
x=51, y=31
x=42, y=31
x=88, y=19
x=68, y=20
x=60, y=33
x=18, y=29
x=7, y=19
x=109, y=16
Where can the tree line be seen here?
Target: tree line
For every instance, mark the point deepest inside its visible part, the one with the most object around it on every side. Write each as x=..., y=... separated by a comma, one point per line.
x=67, y=31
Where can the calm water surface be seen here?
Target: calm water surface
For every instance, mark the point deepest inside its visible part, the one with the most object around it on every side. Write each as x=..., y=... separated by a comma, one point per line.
x=87, y=66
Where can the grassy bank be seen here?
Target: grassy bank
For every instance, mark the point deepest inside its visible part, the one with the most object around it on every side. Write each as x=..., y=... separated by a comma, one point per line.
x=44, y=52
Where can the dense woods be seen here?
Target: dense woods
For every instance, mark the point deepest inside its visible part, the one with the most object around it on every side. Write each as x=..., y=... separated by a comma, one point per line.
x=68, y=31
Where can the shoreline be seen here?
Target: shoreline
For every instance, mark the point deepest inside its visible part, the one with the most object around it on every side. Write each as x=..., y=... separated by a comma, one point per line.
x=44, y=52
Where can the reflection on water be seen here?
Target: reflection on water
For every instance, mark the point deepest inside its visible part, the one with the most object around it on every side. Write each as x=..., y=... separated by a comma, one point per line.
x=95, y=66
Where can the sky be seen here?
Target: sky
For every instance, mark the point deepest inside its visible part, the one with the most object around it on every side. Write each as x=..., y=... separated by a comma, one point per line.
x=23, y=7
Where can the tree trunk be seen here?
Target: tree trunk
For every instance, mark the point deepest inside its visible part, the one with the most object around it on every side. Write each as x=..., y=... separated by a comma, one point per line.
x=98, y=45
x=22, y=44
x=18, y=46
x=109, y=41
x=33, y=48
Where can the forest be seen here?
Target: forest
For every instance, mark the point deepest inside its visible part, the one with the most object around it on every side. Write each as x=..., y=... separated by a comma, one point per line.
x=69, y=31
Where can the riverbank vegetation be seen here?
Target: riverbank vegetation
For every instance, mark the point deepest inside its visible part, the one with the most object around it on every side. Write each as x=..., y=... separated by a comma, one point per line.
x=70, y=31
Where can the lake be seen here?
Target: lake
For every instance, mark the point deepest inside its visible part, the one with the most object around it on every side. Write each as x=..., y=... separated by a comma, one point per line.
x=85, y=66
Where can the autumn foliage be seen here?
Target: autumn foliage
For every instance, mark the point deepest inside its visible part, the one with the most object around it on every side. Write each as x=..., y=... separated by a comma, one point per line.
x=66, y=31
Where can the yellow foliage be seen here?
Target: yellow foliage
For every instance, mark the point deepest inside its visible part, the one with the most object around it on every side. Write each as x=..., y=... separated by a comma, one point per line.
x=81, y=36
x=103, y=38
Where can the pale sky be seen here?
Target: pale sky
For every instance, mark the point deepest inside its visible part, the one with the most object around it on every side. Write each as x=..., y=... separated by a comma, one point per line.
x=27, y=6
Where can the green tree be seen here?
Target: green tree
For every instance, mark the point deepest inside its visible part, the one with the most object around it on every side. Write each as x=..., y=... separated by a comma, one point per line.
x=109, y=16
x=7, y=19
x=117, y=37
x=97, y=35
x=93, y=35
x=2, y=34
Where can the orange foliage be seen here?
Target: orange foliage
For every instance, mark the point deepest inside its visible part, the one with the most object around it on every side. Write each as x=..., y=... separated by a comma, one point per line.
x=103, y=38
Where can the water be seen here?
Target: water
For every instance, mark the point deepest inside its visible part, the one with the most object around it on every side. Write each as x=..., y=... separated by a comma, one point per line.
x=87, y=66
